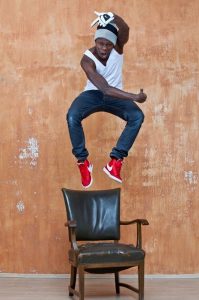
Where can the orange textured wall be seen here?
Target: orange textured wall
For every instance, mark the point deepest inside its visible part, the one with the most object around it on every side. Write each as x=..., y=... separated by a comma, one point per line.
x=40, y=49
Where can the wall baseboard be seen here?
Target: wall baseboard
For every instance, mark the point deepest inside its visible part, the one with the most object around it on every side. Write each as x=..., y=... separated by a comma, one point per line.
x=95, y=276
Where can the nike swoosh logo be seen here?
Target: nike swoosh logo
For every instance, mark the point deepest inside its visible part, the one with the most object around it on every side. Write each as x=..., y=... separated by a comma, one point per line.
x=90, y=168
x=109, y=167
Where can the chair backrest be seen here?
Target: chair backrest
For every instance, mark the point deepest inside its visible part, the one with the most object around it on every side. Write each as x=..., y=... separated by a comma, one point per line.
x=97, y=213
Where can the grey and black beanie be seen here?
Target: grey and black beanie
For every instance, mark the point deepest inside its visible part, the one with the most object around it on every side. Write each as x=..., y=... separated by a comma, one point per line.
x=109, y=32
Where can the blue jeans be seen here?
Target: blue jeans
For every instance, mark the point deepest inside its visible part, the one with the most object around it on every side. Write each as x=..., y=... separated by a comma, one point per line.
x=89, y=102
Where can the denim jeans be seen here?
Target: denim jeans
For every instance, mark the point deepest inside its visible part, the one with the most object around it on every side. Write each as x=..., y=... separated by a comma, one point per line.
x=89, y=102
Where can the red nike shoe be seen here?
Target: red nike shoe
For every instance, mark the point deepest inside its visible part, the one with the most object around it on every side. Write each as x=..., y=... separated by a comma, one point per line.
x=113, y=168
x=86, y=173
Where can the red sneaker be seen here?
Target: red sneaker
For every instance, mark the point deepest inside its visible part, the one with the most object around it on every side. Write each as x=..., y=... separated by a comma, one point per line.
x=86, y=173
x=113, y=169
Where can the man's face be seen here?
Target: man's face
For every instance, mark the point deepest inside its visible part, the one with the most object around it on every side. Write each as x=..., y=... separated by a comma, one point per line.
x=103, y=48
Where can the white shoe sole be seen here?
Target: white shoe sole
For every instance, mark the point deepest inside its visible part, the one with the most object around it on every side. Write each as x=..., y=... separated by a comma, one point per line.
x=86, y=187
x=111, y=176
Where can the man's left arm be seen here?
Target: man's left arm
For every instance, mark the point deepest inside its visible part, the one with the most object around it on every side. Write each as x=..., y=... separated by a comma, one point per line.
x=123, y=33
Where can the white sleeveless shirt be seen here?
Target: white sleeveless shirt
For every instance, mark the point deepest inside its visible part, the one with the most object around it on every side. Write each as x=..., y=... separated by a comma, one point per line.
x=112, y=72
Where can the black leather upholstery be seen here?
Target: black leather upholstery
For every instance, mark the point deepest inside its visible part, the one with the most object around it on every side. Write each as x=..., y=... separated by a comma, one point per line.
x=107, y=252
x=96, y=213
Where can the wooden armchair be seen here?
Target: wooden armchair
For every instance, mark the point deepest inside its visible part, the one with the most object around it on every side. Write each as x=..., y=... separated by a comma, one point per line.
x=94, y=219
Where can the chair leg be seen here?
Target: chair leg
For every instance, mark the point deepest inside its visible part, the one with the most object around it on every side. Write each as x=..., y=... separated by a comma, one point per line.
x=141, y=281
x=117, y=287
x=81, y=283
x=72, y=279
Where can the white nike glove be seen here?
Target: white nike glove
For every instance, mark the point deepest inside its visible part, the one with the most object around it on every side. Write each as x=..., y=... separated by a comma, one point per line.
x=107, y=18
x=103, y=18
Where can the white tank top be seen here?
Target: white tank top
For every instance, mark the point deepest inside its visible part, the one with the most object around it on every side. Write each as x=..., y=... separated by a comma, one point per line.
x=112, y=72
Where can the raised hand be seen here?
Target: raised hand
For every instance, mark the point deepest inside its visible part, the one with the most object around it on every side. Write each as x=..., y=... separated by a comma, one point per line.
x=141, y=97
x=103, y=18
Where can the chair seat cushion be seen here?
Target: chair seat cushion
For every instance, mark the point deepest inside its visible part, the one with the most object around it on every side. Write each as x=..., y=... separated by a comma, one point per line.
x=91, y=253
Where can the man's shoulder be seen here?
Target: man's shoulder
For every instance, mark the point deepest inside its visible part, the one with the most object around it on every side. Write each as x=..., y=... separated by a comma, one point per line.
x=119, y=49
x=87, y=59
x=92, y=49
x=89, y=54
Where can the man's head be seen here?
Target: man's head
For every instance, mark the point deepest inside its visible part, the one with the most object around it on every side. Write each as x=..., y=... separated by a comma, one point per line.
x=109, y=32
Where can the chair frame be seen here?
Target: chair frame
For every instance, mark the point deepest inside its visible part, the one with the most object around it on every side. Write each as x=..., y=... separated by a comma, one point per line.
x=82, y=267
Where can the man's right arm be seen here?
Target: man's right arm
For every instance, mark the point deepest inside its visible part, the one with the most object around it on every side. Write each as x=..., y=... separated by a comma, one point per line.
x=90, y=69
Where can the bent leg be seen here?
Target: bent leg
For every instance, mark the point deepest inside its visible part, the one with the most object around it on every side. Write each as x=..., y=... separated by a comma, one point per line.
x=85, y=104
x=133, y=115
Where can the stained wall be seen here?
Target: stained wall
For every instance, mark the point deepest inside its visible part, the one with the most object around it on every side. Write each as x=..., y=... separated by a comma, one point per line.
x=41, y=45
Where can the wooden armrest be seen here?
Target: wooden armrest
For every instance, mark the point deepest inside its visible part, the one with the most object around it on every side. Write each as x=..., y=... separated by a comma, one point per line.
x=71, y=224
x=139, y=222
x=72, y=233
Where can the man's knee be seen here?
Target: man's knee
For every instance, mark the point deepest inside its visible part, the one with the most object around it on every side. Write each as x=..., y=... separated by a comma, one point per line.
x=141, y=116
x=137, y=117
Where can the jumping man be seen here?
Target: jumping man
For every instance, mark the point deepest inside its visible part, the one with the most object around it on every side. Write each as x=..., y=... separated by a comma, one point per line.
x=104, y=92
